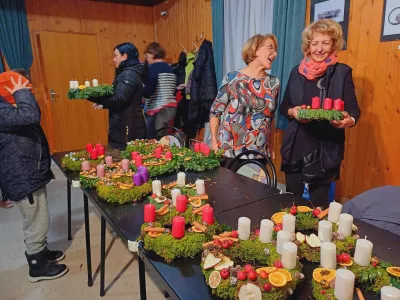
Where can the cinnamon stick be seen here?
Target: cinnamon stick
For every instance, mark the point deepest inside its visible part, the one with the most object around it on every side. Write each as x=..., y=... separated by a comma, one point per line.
x=205, y=245
x=153, y=229
x=226, y=234
x=164, y=207
x=323, y=214
x=229, y=238
x=199, y=226
x=197, y=210
x=359, y=294
x=194, y=198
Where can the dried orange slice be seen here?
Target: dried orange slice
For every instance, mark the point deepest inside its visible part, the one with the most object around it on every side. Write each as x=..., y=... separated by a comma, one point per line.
x=320, y=274
x=123, y=186
x=194, y=229
x=214, y=280
x=287, y=274
x=196, y=203
x=154, y=234
x=303, y=209
x=266, y=269
x=277, y=218
x=277, y=279
x=395, y=271
x=115, y=176
x=82, y=87
x=350, y=263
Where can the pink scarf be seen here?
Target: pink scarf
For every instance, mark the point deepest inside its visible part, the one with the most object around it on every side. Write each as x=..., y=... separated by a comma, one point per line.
x=312, y=70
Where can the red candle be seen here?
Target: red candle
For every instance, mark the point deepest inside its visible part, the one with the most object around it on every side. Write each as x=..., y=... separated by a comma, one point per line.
x=337, y=104
x=196, y=147
x=328, y=103
x=149, y=213
x=168, y=155
x=181, y=202
x=178, y=227
x=315, y=103
x=342, y=105
x=202, y=146
x=206, y=150
x=158, y=152
x=100, y=150
x=98, y=145
x=134, y=155
x=138, y=161
x=208, y=215
x=94, y=154
x=89, y=147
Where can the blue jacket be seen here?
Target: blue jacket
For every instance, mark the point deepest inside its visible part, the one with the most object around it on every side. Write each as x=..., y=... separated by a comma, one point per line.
x=24, y=152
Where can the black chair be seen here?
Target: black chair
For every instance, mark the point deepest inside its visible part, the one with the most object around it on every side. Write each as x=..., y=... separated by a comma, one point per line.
x=169, y=132
x=237, y=163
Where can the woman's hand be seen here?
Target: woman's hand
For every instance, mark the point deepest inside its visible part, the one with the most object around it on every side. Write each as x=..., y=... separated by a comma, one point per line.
x=97, y=106
x=17, y=85
x=294, y=112
x=214, y=145
x=347, y=121
x=181, y=87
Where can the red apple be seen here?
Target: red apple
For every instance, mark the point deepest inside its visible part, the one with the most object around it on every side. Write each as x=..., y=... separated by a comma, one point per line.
x=278, y=264
x=257, y=232
x=247, y=268
x=241, y=275
x=217, y=242
x=267, y=287
x=338, y=258
x=264, y=275
x=224, y=273
x=252, y=275
x=225, y=244
x=235, y=234
x=293, y=210
x=278, y=227
x=304, y=106
x=345, y=258
x=316, y=212
x=230, y=243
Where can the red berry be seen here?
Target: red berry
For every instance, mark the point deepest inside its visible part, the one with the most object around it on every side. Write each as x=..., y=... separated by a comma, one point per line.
x=263, y=274
x=293, y=210
x=278, y=264
x=257, y=232
x=241, y=275
x=304, y=106
x=230, y=243
x=224, y=273
x=252, y=275
x=278, y=228
x=225, y=244
x=374, y=264
x=345, y=258
x=217, y=242
x=248, y=268
x=267, y=287
x=153, y=196
x=323, y=292
x=316, y=212
x=338, y=258
x=235, y=234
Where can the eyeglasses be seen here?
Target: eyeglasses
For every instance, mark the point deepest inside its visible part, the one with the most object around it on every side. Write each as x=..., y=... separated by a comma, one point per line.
x=272, y=48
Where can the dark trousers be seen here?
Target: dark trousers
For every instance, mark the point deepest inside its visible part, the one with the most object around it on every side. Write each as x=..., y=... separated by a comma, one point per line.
x=163, y=118
x=319, y=193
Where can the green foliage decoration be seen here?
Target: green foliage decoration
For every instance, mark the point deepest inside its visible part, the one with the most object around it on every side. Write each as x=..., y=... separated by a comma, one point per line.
x=91, y=92
x=320, y=114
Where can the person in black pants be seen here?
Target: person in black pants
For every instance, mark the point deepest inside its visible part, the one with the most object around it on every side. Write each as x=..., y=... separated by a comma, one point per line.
x=312, y=151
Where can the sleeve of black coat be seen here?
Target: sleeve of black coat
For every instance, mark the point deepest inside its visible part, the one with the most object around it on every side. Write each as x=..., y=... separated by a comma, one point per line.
x=287, y=101
x=350, y=98
x=26, y=113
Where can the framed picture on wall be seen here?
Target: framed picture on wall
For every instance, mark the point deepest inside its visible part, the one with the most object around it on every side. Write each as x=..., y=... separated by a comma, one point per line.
x=391, y=21
x=337, y=10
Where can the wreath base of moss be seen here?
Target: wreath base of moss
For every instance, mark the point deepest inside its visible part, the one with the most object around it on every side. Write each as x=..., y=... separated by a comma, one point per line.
x=112, y=194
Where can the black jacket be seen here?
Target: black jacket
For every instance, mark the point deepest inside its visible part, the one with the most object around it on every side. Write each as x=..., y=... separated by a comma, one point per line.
x=179, y=69
x=204, y=85
x=324, y=164
x=24, y=152
x=125, y=110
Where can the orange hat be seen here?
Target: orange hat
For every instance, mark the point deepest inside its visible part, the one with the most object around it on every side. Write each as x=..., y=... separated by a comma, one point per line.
x=5, y=80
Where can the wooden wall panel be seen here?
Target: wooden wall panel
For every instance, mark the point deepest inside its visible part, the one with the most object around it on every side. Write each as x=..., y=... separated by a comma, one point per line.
x=112, y=23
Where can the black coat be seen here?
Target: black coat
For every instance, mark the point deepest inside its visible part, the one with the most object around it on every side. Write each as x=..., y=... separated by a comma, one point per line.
x=204, y=85
x=125, y=110
x=323, y=164
x=179, y=69
x=24, y=152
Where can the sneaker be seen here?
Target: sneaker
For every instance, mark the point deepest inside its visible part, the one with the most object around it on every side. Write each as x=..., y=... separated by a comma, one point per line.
x=41, y=269
x=53, y=256
x=6, y=204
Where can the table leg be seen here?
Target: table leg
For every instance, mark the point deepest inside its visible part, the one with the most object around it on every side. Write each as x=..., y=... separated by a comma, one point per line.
x=87, y=237
x=69, y=209
x=102, y=255
x=142, y=279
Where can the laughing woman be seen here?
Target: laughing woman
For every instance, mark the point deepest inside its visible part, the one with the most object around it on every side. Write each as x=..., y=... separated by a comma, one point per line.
x=242, y=113
x=312, y=152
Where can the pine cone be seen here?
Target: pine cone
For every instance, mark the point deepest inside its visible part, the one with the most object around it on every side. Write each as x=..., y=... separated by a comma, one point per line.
x=340, y=236
x=233, y=272
x=233, y=281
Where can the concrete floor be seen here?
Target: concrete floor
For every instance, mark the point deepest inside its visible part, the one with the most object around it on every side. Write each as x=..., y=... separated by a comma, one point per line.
x=121, y=281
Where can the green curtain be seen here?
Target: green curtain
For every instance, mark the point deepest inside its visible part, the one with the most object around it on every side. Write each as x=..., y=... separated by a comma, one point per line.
x=15, y=42
x=1, y=65
x=288, y=23
x=217, y=7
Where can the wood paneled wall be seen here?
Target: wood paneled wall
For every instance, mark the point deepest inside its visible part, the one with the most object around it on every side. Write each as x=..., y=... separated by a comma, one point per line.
x=112, y=23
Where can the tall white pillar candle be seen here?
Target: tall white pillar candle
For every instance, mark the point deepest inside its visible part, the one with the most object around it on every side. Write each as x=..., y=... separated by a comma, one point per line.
x=200, y=188
x=244, y=224
x=325, y=231
x=95, y=82
x=71, y=84
x=76, y=84
x=335, y=209
x=87, y=83
x=156, y=184
x=282, y=237
x=266, y=229
x=289, y=255
x=345, y=224
x=363, y=252
x=181, y=180
x=289, y=223
x=328, y=255
x=390, y=293
x=174, y=194
x=344, y=284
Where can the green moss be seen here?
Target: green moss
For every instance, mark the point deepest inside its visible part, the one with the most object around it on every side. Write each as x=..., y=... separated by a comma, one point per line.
x=73, y=162
x=320, y=114
x=306, y=221
x=166, y=219
x=370, y=277
x=317, y=288
x=87, y=182
x=113, y=194
x=91, y=92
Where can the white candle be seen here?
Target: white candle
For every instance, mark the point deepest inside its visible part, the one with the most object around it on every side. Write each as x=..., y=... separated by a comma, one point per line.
x=335, y=209
x=87, y=83
x=282, y=237
x=289, y=223
x=363, y=252
x=174, y=194
x=76, y=84
x=244, y=224
x=156, y=184
x=390, y=293
x=328, y=255
x=95, y=82
x=345, y=224
x=325, y=231
x=71, y=84
x=266, y=228
x=181, y=180
x=200, y=188
x=289, y=255
x=344, y=284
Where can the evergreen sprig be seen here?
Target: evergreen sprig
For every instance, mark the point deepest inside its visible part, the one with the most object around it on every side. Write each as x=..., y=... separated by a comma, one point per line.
x=91, y=92
x=320, y=114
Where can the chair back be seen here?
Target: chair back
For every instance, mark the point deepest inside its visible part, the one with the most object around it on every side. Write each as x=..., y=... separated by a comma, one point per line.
x=171, y=136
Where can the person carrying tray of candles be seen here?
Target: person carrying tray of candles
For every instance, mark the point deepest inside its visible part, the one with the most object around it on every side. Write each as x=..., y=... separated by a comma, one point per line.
x=126, y=120
x=312, y=151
